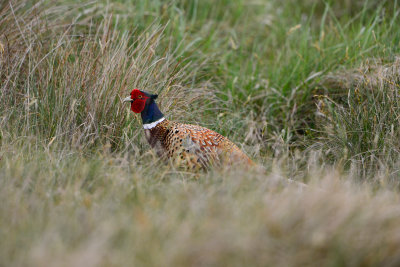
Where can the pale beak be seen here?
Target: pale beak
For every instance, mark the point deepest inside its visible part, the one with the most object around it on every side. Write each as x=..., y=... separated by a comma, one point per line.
x=127, y=99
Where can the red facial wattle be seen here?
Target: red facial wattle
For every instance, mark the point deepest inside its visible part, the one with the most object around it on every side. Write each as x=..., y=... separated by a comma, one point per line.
x=137, y=106
x=138, y=101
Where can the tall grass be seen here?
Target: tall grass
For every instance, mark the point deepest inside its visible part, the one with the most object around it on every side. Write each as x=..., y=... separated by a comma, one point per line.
x=307, y=88
x=67, y=86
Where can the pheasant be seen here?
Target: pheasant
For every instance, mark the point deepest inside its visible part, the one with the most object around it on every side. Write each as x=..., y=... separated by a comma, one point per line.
x=189, y=145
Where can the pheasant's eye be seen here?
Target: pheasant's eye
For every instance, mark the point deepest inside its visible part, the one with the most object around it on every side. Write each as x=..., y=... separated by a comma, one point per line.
x=140, y=96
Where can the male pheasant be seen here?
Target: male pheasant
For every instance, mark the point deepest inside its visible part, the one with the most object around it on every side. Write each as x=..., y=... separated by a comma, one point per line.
x=189, y=145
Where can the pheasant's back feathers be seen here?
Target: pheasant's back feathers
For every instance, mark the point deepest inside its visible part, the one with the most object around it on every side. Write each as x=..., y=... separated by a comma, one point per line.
x=195, y=145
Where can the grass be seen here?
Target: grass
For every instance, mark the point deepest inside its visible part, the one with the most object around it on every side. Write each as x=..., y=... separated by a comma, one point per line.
x=309, y=89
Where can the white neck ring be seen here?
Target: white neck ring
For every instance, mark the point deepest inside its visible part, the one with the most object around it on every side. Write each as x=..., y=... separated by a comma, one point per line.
x=149, y=126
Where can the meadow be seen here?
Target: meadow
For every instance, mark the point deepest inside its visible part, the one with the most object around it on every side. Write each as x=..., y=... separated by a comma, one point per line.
x=308, y=89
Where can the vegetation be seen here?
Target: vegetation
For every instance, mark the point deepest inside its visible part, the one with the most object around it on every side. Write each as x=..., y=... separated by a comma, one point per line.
x=309, y=89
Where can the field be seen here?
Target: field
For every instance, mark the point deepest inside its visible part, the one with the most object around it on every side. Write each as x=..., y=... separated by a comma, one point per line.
x=309, y=89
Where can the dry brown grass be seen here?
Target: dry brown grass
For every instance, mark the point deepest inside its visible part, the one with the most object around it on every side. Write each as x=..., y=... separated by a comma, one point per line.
x=113, y=213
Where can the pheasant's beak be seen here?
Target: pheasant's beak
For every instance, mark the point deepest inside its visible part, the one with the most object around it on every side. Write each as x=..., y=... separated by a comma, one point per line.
x=127, y=99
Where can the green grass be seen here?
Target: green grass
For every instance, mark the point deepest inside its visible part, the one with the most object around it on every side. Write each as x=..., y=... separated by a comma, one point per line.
x=309, y=89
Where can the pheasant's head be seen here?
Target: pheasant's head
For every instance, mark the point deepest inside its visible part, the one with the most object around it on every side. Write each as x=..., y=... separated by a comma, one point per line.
x=139, y=100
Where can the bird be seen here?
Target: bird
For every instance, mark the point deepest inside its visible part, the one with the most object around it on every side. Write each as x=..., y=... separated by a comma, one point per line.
x=187, y=145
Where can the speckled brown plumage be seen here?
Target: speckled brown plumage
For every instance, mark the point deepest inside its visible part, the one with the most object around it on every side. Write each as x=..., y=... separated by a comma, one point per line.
x=193, y=146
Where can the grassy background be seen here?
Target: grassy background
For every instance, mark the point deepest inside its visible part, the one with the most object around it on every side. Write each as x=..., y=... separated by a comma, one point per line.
x=309, y=89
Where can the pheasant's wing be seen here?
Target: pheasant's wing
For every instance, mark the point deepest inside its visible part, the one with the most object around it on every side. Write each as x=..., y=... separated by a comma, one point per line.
x=205, y=146
x=216, y=147
x=201, y=147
